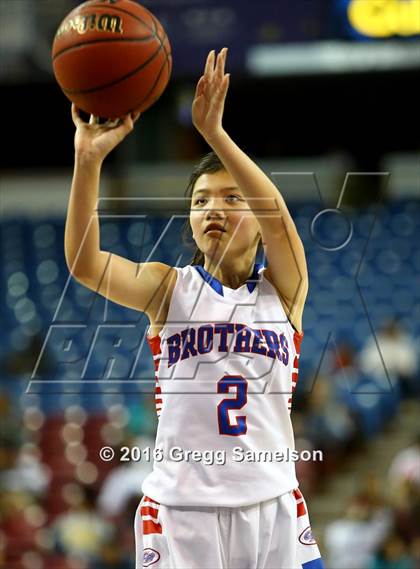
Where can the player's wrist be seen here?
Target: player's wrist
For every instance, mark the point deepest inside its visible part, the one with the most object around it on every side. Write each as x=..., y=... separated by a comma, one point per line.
x=87, y=159
x=215, y=136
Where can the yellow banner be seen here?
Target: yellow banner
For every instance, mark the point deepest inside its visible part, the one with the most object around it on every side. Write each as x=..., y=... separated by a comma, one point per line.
x=385, y=18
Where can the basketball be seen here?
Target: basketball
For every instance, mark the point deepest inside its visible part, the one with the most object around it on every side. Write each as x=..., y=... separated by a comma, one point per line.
x=111, y=57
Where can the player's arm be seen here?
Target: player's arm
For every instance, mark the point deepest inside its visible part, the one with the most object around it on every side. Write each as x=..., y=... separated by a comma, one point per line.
x=287, y=269
x=136, y=285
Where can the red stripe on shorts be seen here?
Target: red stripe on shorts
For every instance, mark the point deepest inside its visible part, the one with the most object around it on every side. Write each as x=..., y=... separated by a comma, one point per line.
x=147, y=499
x=300, y=505
x=150, y=527
x=149, y=511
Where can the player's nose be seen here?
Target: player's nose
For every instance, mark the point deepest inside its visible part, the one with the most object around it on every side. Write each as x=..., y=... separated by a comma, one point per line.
x=214, y=215
x=215, y=207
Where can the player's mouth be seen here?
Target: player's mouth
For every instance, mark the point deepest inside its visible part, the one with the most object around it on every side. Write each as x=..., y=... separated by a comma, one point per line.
x=214, y=229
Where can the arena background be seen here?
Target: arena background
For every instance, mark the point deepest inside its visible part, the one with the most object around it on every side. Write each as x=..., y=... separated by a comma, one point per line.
x=323, y=96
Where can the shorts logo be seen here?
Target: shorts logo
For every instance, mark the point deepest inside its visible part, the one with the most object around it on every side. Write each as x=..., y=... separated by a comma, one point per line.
x=306, y=537
x=150, y=556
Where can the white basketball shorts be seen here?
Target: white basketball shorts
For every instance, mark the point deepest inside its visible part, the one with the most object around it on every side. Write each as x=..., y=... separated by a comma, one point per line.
x=275, y=534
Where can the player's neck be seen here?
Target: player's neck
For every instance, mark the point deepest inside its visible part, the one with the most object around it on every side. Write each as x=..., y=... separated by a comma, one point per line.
x=232, y=273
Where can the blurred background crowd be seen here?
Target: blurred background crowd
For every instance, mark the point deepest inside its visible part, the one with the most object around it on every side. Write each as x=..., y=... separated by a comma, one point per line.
x=319, y=89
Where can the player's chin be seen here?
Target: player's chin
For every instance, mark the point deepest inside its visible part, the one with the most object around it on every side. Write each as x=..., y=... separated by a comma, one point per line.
x=213, y=247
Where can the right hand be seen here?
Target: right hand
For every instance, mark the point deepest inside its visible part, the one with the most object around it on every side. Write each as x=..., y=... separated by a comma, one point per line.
x=95, y=141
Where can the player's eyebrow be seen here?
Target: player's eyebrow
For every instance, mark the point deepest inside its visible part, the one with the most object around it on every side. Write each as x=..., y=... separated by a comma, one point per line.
x=206, y=190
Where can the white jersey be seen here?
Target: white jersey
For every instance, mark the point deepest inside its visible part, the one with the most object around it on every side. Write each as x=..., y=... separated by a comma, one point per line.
x=226, y=366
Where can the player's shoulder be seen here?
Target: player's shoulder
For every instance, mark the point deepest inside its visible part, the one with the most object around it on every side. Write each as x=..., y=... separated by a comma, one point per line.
x=186, y=270
x=187, y=280
x=173, y=275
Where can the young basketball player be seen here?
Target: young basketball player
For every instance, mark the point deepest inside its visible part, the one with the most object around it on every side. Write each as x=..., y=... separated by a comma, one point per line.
x=225, y=333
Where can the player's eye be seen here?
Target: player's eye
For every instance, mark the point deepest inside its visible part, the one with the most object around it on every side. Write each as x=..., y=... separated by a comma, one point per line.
x=199, y=201
x=234, y=196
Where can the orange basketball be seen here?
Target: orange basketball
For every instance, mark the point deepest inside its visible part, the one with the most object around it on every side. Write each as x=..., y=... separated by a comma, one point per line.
x=111, y=57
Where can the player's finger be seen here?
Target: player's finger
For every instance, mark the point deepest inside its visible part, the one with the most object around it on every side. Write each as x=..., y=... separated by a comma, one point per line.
x=75, y=115
x=225, y=52
x=227, y=83
x=200, y=86
x=222, y=91
x=209, y=68
x=135, y=116
x=127, y=123
x=112, y=123
x=220, y=64
x=93, y=119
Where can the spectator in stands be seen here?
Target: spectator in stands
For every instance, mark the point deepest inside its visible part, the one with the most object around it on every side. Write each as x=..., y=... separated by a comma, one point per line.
x=398, y=352
x=406, y=465
x=393, y=554
x=309, y=472
x=352, y=540
x=344, y=357
x=415, y=552
x=328, y=423
x=118, y=552
x=370, y=400
x=345, y=371
x=404, y=490
x=407, y=513
x=80, y=532
x=125, y=481
x=113, y=556
x=24, y=471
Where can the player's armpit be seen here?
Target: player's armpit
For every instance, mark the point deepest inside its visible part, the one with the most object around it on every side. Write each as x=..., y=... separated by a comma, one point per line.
x=293, y=308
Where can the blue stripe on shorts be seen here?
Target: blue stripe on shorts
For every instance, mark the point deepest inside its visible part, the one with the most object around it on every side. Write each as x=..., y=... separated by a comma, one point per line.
x=314, y=564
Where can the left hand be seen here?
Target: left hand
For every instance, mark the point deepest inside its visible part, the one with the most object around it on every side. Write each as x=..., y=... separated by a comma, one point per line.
x=210, y=95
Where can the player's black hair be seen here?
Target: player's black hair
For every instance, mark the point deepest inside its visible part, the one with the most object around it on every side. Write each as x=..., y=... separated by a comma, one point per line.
x=209, y=164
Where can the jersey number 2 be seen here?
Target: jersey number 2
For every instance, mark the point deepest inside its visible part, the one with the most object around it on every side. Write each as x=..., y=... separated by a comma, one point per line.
x=225, y=385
